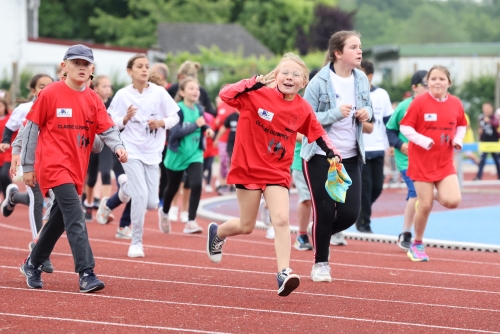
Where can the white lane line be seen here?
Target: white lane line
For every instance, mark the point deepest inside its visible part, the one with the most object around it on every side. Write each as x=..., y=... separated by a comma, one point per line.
x=274, y=291
x=258, y=272
x=104, y=323
x=334, y=249
x=280, y=312
x=261, y=243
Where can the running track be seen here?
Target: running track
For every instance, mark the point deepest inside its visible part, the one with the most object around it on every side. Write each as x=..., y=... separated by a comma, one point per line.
x=175, y=288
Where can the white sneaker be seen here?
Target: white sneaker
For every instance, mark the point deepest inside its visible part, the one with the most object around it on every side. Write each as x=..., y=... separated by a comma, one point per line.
x=173, y=214
x=192, y=227
x=321, y=272
x=104, y=215
x=209, y=189
x=136, y=251
x=338, y=239
x=163, y=221
x=184, y=217
x=124, y=233
x=122, y=181
x=270, y=233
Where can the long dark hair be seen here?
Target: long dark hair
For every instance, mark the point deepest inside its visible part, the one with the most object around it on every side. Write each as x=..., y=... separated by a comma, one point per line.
x=32, y=85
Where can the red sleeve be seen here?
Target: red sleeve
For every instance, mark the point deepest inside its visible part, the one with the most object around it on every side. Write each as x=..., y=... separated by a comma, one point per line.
x=311, y=128
x=232, y=94
x=104, y=122
x=38, y=111
x=461, y=120
x=412, y=113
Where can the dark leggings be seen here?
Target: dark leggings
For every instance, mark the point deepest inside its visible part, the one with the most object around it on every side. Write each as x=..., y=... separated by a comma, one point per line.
x=372, y=176
x=100, y=162
x=114, y=201
x=329, y=216
x=207, y=166
x=194, y=174
x=5, y=179
x=163, y=173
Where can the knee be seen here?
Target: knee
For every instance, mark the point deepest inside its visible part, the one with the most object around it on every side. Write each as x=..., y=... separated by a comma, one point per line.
x=106, y=177
x=280, y=220
x=246, y=228
x=152, y=204
x=451, y=203
x=424, y=206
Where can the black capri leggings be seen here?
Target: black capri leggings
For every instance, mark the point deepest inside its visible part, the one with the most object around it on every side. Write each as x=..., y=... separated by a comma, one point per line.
x=101, y=162
x=194, y=174
x=329, y=216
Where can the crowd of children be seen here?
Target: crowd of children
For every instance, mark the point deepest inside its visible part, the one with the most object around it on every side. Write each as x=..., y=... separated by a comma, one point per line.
x=162, y=140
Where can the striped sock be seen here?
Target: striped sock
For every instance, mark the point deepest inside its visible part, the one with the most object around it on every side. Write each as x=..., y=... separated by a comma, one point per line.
x=418, y=242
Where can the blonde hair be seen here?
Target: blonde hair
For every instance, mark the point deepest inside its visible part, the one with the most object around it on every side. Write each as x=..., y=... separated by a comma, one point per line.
x=189, y=69
x=441, y=68
x=182, y=86
x=155, y=78
x=293, y=57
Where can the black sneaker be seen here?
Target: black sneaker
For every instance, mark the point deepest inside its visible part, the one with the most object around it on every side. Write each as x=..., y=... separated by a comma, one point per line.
x=47, y=265
x=88, y=214
x=90, y=283
x=364, y=228
x=7, y=205
x=33, y=275
x=214, y=244
x=404, y=241
x=302, y=243
x=287, y=282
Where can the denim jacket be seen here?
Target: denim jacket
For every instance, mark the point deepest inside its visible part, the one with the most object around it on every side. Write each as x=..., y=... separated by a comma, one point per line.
x=321, y=96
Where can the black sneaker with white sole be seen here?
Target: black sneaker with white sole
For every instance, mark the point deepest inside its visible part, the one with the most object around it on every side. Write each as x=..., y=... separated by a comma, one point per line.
x=33, y=274
x=214, y=244
x=89, y=282
x=287, y=282
x=404, y=241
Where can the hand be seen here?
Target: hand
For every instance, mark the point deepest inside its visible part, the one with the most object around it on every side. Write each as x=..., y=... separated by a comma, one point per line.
x=201, y=121
x=130, y=113
x=345, y=109
x=16, y=159
x=156, y=124
x=430, y=145
x=404, y=148
x=362, y=115
x=29, y=179
x=209, y=133
x=457, y=147
x=4, y=147
x=122, y=155
x=265, y=80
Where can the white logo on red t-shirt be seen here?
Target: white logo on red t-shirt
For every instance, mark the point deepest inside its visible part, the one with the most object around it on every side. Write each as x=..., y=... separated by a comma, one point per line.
x=267, y=115
x=64, y=112
x=430, y=117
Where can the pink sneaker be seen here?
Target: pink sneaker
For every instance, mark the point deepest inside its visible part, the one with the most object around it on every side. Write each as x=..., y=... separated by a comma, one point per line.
x=417, y=253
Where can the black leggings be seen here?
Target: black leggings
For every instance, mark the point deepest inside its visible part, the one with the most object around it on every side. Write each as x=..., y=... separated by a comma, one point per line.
x=100, y=162
x=329, y=216
x=207, y=166
x=372, y=176
x=194, y=175
x=5, y=179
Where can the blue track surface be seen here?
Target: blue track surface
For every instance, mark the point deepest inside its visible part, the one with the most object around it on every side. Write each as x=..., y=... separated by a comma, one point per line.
x=478, y=225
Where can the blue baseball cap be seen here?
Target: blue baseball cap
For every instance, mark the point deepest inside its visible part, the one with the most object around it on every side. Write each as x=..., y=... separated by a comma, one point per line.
x=79, y=51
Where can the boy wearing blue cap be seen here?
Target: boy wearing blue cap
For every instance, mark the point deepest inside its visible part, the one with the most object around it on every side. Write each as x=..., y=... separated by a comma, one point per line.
x=57, y=142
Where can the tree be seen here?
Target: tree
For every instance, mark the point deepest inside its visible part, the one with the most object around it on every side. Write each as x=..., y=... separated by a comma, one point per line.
x=328, y=21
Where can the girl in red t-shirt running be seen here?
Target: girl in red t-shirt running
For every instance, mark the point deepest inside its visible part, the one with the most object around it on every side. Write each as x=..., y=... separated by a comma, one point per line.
x=263, y=153
x=434, y=124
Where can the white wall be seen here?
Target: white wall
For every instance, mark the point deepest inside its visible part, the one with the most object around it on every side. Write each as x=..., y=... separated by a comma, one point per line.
x=13, y=34
x=461, y=68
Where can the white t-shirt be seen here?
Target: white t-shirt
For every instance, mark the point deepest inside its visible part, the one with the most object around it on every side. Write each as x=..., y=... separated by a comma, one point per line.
x=18, y=116
x=343, y=133
x=382, y=107
x=154, y=103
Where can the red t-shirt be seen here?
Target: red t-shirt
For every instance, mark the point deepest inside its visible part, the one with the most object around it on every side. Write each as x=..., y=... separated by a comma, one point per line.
x=7, y=155
x=210, y=149
x=438, y=121
x=223, y=110
x=266, y=133
x=68, y=121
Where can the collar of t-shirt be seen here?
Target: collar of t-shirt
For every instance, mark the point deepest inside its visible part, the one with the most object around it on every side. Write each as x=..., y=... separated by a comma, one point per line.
x=438, y=99
x=333, y=69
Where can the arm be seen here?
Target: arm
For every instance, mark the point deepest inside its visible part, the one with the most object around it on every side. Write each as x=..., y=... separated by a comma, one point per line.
x=98, y=145
x=393, y=137
x=459, y=137
x=367, y=127
x=327, y=117
x=180, y=130
x=327, y=146
x=230, y=93
x=219, y=134
x=171, y=121
x=18, y=142
x=7, y=135
x=205, y=101
x=416, y=137
x=111, y=137
x=29, y=140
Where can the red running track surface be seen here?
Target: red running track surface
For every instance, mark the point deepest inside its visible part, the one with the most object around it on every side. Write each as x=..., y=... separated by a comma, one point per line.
x=175, y=288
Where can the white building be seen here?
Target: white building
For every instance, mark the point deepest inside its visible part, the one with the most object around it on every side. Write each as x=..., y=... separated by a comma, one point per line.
x=21, y=47
x=465, y=61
